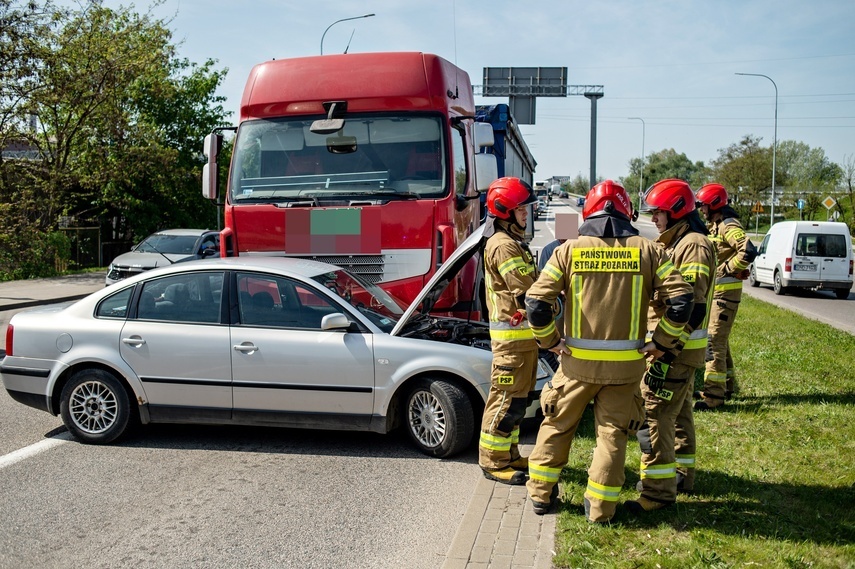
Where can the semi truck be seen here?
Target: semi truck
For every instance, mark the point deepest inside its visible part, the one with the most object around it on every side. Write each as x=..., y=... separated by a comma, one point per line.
x=368, y=161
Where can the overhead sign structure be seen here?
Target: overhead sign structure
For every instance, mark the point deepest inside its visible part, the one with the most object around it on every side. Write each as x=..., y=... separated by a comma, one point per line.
x=523, y=85
x=829, y=202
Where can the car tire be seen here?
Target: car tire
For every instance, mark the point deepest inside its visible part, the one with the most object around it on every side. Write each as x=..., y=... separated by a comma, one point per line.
x=95, y=407
x=752, y=277
x=438, y=417
x=780, y=289
x=841, y=293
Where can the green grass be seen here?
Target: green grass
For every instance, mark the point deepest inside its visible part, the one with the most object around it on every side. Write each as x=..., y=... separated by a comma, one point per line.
x=775, y=482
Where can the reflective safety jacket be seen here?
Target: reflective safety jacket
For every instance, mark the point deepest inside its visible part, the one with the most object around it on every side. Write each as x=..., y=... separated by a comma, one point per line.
x=693, y=255
x=509, y=271
x=731, y=244
x=609, y=283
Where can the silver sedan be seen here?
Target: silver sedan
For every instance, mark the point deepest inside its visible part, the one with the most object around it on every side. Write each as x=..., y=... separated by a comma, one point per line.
x=253, y=341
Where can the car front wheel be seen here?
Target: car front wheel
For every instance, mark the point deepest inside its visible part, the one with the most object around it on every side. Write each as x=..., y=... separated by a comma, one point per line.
x=439, y=418
x=95, y=407
x=752, y=277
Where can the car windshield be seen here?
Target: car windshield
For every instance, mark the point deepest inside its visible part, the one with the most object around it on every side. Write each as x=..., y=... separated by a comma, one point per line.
x=370, y=300
x=390, y=156
x=174, y=244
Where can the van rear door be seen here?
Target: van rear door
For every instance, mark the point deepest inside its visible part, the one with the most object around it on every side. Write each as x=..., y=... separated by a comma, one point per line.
x=834, y=254
x=806, y=260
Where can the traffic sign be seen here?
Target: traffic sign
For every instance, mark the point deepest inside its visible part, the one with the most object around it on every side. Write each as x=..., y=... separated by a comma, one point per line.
x=801, y=204
x=758, y=208
x=829, y=202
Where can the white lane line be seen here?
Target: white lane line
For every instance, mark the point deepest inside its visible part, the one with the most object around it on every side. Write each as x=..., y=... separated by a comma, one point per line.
x=33, y=450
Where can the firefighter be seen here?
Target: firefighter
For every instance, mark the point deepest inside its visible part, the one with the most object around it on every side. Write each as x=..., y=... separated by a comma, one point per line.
x=667, y=438
x=509, y=270
x=609, y=275
x=734, y=253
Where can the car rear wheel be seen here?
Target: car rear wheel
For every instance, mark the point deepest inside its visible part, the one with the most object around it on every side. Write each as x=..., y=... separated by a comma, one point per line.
x=439, y=418
x=95, y=407
x=779, y=284
x=752, y=277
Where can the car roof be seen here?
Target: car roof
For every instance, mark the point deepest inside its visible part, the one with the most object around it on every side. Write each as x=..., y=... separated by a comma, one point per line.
x=291, y=265
x=193, y=232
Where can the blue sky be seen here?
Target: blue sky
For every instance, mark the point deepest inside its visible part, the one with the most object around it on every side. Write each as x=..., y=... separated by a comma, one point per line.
x=671, y=63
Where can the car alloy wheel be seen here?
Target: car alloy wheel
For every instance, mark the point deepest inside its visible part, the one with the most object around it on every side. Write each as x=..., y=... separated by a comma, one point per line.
x=439, y=417
x=95, y=407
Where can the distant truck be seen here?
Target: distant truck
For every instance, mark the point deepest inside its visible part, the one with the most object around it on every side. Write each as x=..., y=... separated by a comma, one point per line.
x=513, y=157
x=368, y=161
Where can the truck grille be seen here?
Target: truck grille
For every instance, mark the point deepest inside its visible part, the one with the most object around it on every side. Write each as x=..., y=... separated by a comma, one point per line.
x=369, y=267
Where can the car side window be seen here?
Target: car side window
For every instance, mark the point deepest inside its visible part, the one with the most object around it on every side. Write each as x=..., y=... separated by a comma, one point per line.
x=115, y=305
x=265, y=300
x=187, y=297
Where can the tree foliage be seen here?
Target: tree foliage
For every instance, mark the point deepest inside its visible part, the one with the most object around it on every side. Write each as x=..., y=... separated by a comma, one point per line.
x=120, y=123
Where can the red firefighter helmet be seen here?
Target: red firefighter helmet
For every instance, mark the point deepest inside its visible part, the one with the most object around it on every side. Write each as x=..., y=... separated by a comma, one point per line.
x=713, y=195
x=600, y=196
x=671, y=195
x=505, y=194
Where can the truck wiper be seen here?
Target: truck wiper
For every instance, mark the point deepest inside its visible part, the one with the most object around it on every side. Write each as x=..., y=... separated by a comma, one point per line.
x=390, y=192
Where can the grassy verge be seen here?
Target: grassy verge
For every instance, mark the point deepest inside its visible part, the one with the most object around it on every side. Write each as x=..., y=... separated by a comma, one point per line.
x=776, y=467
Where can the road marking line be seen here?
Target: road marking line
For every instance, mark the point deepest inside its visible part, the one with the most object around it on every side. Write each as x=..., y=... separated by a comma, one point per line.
x=33, y=450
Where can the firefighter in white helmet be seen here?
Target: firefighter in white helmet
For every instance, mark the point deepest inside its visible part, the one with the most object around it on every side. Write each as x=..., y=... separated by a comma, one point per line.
x=667, y=437
x=609, y=276
x=509, y=270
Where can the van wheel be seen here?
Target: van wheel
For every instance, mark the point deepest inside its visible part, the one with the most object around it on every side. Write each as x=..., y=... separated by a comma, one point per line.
x=841, y=293
x=752, y=277
x=779, y=284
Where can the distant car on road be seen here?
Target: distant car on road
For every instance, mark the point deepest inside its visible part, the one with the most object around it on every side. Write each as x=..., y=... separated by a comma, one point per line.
x=580, y=202
x=164, y=248
x=268, y=341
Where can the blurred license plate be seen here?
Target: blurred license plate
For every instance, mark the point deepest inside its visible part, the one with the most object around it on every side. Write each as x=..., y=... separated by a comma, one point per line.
x=804, y=268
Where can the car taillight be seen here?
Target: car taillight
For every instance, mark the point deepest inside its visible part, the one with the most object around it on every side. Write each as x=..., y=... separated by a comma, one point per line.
x=850, y=267
x=10, y=331
x=788, y=264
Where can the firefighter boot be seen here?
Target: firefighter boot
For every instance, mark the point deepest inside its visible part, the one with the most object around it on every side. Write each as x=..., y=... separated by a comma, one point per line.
x=520, y=464
x=643, y=504
x=708, y=402
x=685, y=482
x=540, y=508
x=506, y=476
x=730, y=388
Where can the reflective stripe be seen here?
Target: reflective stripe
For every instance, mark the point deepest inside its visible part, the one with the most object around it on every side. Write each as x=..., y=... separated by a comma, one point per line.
x=728, y=285
x=553, y=272
x=697, y=339
x=606, y=355
x=635, y=310
x=492, y=442
x=508, y=326
x=659, y=471
x=515, y=436
x=694, y=269
x=543, y=473
x=715, y=377
x=737, y=264
x=576, y=295
x=664, y=269
x=687, y=460
x=512, y=335
x=605, y=493
x=544, y=332
x=669, y=328
x=604, y=344
x=734, y=234
x=511, y=264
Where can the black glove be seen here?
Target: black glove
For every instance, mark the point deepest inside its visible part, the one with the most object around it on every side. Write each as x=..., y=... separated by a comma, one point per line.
x=654, y=378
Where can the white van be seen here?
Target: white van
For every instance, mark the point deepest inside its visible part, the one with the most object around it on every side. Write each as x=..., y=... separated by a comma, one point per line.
x=805, y=254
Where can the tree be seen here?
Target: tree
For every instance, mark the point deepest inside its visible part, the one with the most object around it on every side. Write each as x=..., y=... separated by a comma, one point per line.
x=660, y=166
x=745, y=169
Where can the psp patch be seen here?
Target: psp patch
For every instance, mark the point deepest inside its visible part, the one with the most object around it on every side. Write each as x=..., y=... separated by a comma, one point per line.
x=505, y=379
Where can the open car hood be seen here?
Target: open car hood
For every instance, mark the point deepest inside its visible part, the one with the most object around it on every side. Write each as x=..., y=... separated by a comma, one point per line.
x=436, y=285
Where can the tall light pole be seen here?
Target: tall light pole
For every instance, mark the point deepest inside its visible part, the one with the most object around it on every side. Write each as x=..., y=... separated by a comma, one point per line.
x=774, y=144
x=336, y=22
x=641, y=174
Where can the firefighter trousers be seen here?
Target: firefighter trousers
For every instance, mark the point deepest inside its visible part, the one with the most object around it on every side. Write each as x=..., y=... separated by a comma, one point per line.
x=617, y=410
x=666, y=412
x=511, y=385
x=719, y=360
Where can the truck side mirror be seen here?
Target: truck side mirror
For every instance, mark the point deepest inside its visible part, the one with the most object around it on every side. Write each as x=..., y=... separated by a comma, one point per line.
x=211, y=148
x=483, y=135
x=486, y=171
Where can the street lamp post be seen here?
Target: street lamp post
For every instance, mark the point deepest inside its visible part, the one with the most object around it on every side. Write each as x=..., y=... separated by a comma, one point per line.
x=641, y=173
x=336, y=22
x=774, y=144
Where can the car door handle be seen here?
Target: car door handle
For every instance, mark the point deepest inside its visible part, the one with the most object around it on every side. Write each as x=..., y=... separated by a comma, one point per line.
x=246, y=347
x=135, y=341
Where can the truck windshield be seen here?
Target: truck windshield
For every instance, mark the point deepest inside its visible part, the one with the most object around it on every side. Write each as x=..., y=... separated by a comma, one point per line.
x=281, y=160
